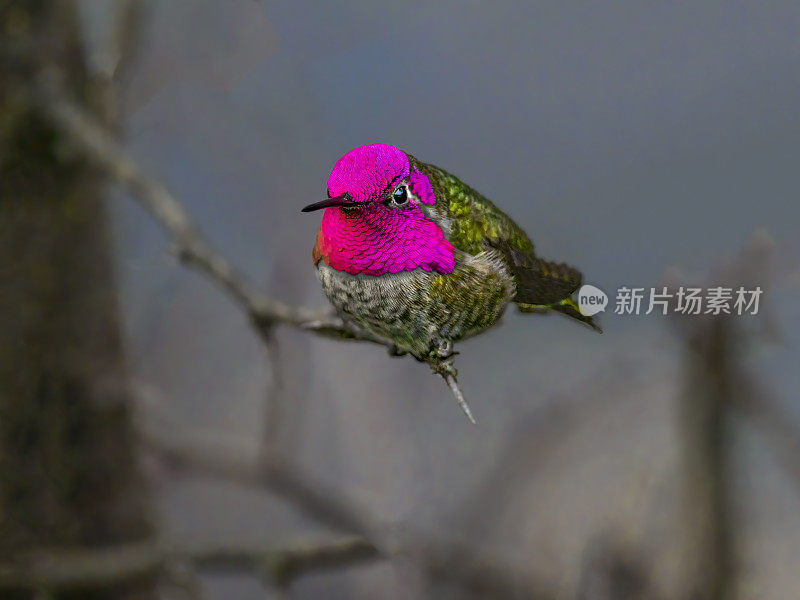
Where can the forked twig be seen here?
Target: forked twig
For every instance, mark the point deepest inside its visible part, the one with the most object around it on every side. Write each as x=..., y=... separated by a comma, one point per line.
x=191, y=247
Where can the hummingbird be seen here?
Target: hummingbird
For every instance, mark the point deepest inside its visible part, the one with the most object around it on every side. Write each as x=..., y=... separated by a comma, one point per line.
x=414, y=255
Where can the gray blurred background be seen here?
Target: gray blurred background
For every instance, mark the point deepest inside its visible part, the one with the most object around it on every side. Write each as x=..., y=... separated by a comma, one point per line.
x=636, y=141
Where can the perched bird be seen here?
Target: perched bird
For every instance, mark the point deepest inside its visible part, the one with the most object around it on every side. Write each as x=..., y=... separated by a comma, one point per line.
x=412, y=254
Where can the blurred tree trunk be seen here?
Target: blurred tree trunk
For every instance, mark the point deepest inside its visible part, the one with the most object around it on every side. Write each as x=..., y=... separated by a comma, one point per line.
x=68, y=471
x=707, y=544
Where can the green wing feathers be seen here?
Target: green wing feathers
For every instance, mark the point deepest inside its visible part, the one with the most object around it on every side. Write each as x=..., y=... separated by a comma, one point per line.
x=474, y=221
x=476, y=225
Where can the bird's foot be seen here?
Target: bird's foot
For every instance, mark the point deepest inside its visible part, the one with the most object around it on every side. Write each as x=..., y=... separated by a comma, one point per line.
x=444, y=348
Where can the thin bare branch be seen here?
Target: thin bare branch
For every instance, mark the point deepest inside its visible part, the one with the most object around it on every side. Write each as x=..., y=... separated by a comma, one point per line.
x=444, y=561
x=275, y=409
x=192, y=248
x=325, y=504
x=232, y=464
x=76, y=569
x=446, y=370
x=286, y=564
x=70, y=569
x=452, y=383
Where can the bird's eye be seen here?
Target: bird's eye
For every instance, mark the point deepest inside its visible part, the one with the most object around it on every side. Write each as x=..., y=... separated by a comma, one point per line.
x=400, y=196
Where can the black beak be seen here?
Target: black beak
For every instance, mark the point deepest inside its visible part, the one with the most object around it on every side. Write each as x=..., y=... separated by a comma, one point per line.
x=340, y=200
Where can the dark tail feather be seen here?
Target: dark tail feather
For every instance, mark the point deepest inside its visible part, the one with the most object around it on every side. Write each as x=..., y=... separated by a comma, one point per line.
x=542, y=285
x=543, y=282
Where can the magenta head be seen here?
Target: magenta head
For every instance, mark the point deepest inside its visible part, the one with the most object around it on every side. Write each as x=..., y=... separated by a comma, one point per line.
x=368, y=174
x=373, y=222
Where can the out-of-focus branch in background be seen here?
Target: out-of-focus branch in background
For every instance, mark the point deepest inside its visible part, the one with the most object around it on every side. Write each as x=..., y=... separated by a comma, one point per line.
x=704, y=429
x=714, y=383
x=85, y=569
x=190, y=246
x=702, y=426
x=69, y=472
x=443, y=560
x=455, y=562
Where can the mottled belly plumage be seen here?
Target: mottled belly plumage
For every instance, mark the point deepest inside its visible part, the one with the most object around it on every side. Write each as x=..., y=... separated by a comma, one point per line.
x=422, y=311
